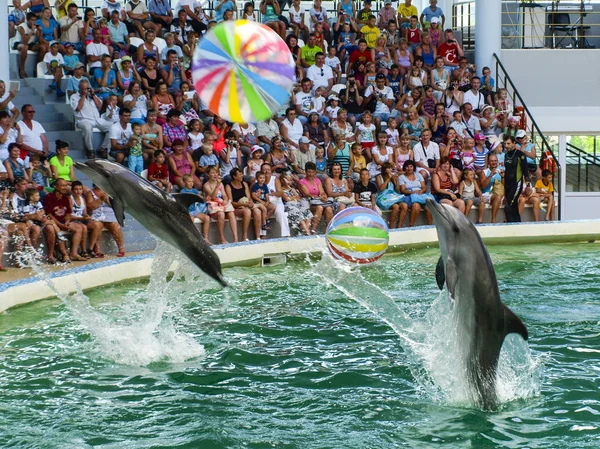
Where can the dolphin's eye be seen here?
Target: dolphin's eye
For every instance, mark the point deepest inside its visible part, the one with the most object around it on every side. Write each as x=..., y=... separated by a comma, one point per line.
x=455, y=229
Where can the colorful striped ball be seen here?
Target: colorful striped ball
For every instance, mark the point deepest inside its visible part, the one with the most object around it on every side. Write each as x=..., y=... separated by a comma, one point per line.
x=358, y=235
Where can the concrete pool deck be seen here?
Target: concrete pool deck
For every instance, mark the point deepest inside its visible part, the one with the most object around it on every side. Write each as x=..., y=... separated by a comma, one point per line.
x=19, y=287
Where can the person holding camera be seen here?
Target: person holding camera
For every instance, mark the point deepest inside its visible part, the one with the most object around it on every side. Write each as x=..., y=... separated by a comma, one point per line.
x=86, y=108
x=383, y=97
x=450, y=50
x=427, y=155
x=352, y=100
x=173, y=74
x=444, y=184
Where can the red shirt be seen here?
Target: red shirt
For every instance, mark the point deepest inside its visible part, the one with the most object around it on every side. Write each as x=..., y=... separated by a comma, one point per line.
x=157, y=172
x=362, y=56
x=449, y=52
x=60, y=208
x=413, y=36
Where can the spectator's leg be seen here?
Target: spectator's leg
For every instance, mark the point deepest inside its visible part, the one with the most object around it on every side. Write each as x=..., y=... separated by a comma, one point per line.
x=328, y=212
x=403, y=213
x=58, y=79
x=317, y=213
x=535, y=202
x=77, y=231
x=495, y=201
x=87, y=129
x=34, y=234
x=23, y=48
x=468, y=205
x=95, y=228
x=117, y=232
x=256, y=219
x=233, y=225
x=50, y=236
x=220, y=217
x=414, y=214
x=394, y=215
x=282, y=219
x=481, y=211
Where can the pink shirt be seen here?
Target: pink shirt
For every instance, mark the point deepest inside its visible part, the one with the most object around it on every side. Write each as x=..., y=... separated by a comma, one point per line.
x=313, y=188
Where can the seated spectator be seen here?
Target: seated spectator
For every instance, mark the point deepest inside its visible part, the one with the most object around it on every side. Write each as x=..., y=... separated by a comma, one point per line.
x=148, y=48
x=316, y=131
x=339, y=188
x=15, y=18
x=161, y=12
x=208, y=159
x=312, y=189
x=39, y=173
x=8, y=228
x=181, y=27
x=162, y=102
x=104, y=79
x=173, y=73
x=121, y=137
x=470, y=193
x=365, y=191
x=126, y=74
x=9, y=133
x=196, y=17
x=173, y=130
x=305, y=153
x=291, y=129
x=266, y=130
x=246, y=135
x=47, y=28
x=230, y=157
x=219, y=128
x=427, y=155
x=113, y=5
x=61, y=165
x=309, y=52
x=58, y=208
x=95, y=50
x=270, y=12
x=26, y=41
x=33, y=133
x=170, y=40
x=189, y=48
x=188, y=102
x=444, y=185
x=102, y=217
x=71, y=28
x=414, y=124
x=119, y=35
x=86, y=106
x=139, y=17
x=492, y=187
x=89, y=25
x=383, y=97
x=15, y=166
x=545, y=190
x=6, y=104
x=152, y=138
x=158, y=171
x=76, y=78
x=297, y=210
x=413, y=186
x=304, y=100
x=320, y=73
x=219, y=204
x=276, y=198
x=279, y=158
x=489, y=121
x=181, y=163
x=388, y=197
x=450, y=50
x=150, y=76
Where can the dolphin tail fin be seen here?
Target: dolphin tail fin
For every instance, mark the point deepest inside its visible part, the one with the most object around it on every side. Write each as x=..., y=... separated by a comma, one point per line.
x=513, y=324
x=119, y=209
x=187, y=199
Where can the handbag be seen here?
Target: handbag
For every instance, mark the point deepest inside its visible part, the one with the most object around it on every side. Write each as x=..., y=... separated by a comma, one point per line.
x=387, y=198
x=320, y=202
x=347, y=200
x=498, y=188
x=217, y=206
x=421, y=198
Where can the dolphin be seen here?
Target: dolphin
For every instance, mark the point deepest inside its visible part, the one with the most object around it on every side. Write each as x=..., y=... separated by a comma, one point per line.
x=482, y=319
x=166, y=216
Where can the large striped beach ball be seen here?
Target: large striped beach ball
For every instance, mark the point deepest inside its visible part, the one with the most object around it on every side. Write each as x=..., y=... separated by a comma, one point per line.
x=358, y=235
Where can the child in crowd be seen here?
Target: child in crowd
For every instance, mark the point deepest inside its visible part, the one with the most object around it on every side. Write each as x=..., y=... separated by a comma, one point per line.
x=170, y=40
x=545, y=189
x=394, y=81
x=459, y=125
x=414, y=79
x=255, y=161
x=487, y=85
x=365, y=191
x=79, y=214
x=331, y=111
x=393, y=133
x=135, y=160
x=357, y=162
x=70, y=59
x=54, y=66
x=319, y=35
x=298, y=212
x=260, y=195
x=248, y=13
x=318, y=14
x=412, y=32
x=346, y=42
x=470, y=192
x=195, y=136
x=112, y=111
x=503, y=104
x=392, y=35
x=197, y=210
x=467, y=157
x=321, y=162
x=105, y=34
x=319, y=103
x=370, y=74
x=334, y=62
x=158, y=172
x=370, y=32
x=297, y=20
x=404, y=152
x=73, y=84
x=208, y=159
x=365, y=133
x=40, y=173
x=435, y=32
x=37, y=219
x=219, y=204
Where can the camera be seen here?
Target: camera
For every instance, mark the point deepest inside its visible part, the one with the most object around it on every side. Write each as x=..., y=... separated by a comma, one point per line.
x=431, y=163
x=451, y=88
x=352, y=83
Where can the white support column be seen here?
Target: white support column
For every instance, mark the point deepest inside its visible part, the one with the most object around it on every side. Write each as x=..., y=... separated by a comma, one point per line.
x=4, y=50
x=562, y=160
x=488, y=33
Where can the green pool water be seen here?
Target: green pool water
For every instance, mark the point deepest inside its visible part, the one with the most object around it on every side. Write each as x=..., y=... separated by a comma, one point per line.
x=304, y=355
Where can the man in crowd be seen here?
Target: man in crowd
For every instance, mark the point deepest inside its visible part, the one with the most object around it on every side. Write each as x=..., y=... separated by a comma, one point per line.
x=450, y=50
x=86, y=106
x=6, y=103
x=161, y=12
x=320, y=74
x=384, y=98
x=121, y=136
x=471, y=122
x=427, y=155
x=71, y=27
x=95, y=50
x=33, y=133
x=305, y=153
x=308, y=53
x=405, y=11
x=304, y=101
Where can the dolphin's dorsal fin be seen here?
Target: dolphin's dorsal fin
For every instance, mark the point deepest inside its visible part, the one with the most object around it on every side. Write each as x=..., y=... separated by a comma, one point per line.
x=187, y=199
x=119, y=209
x=513, y=324
x=440, y=275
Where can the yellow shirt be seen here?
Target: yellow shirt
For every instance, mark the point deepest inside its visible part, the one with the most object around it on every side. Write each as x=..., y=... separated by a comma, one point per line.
x=407, y=11
x=370, y=35
x=543, y=188
x=359, y=163
x=63, y=12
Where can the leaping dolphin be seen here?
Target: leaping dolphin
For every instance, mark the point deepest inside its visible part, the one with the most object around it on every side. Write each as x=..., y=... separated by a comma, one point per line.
x=483, y=321
x=166, y=216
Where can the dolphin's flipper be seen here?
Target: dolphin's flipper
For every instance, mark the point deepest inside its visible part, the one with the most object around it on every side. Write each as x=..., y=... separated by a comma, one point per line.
x=440, y=275
x=513, y=324
x=119, y=209
x=451, y=276
x=187, y=199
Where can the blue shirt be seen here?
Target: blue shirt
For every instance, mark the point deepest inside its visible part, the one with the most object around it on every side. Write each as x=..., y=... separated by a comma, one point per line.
x=264, y=191
x=47, y=33
x=429, y=14
x=207, y=161
x=117, y=33
x=98, y=74
x=73, y=84
x=159, y=8
x=70, y=61
x=196, y=208
x=219, y=12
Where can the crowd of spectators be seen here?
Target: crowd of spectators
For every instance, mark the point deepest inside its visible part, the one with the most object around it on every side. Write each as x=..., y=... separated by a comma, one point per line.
x=387, y=112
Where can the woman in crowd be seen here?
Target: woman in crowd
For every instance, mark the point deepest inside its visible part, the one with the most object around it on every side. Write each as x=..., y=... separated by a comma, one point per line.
x=89, y=25
x=181, y=163
x=414, y=124
x=412, y=185
x=439, y=123
x=173, y=130
x=219, y=204
x=426, y=51
x=279, y=159
x=489, y=121
x=339, y=151
x=126, y=74
x=292, y=43
x=341, y=126
x=312, y=189
x=102, y=216
x=239, y=192
x=152, y=137
x=147, y=49
x=162, y=102
x=61, y=165
x=444, y=184
x=440, y=79
x=150, y=75
x=339, y=188
x=47, y=28
x=316, y=131
x=270, y=11
x=9, y=133
x=136, y=102
x=388, y=197
x=188, y=103
x=219, y=127
x=14, y=165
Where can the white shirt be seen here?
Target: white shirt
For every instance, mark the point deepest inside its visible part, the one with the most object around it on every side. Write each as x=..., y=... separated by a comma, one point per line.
x=31, y=137
x=139, y=8
x=320, y=76
x=431, y=151
x=296, y=15
x=112, y=6
x=49, y=58
x=10, y=106
x=72, y=34
x=476, y=100
x=305, y=101
x=140, y=110
x=89, y=111
x=12, y=137
x=473, y=124
x=333, y=62
x=295, y=131
x=93, y=49
x=119, y=134
x=388, y=94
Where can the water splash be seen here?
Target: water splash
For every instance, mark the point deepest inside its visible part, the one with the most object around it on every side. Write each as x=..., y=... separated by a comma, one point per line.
x=141, y=331
x=432, y=344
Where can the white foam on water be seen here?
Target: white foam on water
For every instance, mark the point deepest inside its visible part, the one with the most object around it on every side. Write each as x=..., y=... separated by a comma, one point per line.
x=141, y=331
x=432, y=344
